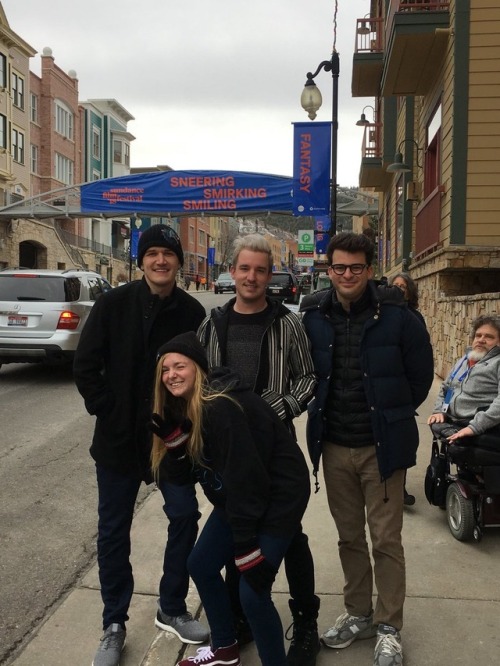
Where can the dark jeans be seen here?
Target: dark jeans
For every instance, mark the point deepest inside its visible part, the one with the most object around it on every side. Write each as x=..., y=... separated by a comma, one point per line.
x=117, y=497
x=213, y=550
x=299, y=568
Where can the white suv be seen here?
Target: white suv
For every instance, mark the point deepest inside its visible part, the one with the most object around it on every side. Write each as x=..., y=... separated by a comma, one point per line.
x=42, y=312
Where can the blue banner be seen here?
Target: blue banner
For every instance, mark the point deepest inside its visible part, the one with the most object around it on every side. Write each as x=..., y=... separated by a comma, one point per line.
x=187, y=192
x=321, y=242
x=311, y=168
x=322, y=223
x=211, y=256
x=135, y=234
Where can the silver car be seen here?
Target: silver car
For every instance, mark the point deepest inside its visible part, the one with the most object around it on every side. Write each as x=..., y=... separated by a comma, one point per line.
x=42, y=312
x=224, y=283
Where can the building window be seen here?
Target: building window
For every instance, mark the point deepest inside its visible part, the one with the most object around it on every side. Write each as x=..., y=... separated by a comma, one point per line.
x=18, y=146
x=34, y=159
x=64, y=120
x=201, y=238
x=17, y=90
x=117, y=152
x=64, y=169
x=33, y=108
x=127, y=154
x=96, y=143
x=3, y=70
x=432, y=163
x=3, y=131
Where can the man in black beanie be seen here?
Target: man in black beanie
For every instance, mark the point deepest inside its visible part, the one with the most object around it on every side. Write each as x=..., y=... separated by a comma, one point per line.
x=114, y=371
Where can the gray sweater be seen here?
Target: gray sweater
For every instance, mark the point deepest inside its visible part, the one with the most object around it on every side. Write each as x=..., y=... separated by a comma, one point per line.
x=476, y=394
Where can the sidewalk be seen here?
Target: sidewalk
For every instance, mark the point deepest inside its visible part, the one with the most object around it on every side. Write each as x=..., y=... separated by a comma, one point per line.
x=451, y=611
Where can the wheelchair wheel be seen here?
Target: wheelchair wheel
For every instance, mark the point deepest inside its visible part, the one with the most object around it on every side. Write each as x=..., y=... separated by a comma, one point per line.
x=460, y=514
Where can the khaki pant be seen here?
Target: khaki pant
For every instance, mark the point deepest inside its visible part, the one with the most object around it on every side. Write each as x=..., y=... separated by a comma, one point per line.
x=356, y=497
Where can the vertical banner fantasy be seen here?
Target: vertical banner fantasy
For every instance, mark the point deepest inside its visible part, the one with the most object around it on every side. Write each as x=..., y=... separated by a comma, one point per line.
x=311, y=168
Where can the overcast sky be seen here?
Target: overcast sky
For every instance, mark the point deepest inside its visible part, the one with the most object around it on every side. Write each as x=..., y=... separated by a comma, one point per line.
x=212, y=84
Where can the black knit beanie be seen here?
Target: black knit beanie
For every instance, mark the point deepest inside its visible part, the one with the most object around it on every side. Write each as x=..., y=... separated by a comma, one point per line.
x=159, y=235
x=188, y=345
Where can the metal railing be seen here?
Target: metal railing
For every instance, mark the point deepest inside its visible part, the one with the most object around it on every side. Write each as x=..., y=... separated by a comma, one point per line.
x=92, y=245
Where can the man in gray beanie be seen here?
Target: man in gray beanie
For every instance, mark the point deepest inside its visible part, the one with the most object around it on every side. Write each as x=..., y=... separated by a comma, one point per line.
x=114, y=371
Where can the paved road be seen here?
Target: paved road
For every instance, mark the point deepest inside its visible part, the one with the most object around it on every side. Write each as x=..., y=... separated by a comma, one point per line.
x=47, y=493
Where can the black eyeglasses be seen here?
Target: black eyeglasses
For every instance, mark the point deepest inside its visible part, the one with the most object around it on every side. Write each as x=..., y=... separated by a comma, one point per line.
x=356, y=269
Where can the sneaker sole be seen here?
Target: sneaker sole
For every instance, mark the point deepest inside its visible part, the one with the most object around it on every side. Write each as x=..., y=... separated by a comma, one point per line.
x=169, y=629
x=370, y=632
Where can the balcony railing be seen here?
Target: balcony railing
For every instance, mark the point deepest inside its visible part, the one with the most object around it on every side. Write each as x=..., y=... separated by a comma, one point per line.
x=415, y=6
x=93, y=246
x=369, y=35
x=372, y=141
x=427, y=223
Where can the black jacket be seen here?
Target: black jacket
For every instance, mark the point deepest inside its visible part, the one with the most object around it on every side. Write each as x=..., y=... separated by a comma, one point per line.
x=397, y=372
x=252, y=467
x=114, y=367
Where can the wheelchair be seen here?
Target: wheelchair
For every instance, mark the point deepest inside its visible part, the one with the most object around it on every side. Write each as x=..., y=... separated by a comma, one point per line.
x=470, y=490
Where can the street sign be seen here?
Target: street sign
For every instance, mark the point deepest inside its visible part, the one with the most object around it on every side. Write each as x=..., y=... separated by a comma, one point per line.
x=306, y=241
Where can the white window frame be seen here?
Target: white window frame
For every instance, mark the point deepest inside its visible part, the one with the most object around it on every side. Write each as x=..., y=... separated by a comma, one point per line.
x=126, y=154
x=64, y=169
x=3, y=131
x=63, y=119
x=96, y=143
x=33, y=108
x=17, y=146
x=117, y=156
x=18, y=90
x=3, y=70
x=34, y=158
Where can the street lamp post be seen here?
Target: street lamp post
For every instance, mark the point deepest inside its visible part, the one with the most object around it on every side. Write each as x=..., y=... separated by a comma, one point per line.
x=311, y=101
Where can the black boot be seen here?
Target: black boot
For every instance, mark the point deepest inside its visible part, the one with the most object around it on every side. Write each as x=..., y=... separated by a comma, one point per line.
x=305, y=644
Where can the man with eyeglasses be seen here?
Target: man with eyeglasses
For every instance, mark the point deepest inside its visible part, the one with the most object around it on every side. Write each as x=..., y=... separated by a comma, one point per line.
x=375, y=367
x=114, y=371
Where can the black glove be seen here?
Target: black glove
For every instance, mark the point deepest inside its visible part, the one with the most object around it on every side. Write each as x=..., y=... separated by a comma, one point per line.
x=254, y=567
x=260, y=577
x=174, y=433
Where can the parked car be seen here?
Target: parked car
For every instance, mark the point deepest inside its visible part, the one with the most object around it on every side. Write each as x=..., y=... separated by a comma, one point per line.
x=224, y=283
x=42, y=312
x=283, y=286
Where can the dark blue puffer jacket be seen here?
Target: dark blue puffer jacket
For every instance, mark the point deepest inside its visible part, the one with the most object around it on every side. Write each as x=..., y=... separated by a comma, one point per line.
x=397, y=366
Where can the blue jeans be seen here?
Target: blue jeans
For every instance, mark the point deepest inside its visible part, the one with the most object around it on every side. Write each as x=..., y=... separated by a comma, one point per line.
x=214, y=548
x=117, y=497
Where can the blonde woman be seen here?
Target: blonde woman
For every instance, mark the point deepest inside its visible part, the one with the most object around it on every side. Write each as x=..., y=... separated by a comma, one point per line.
x=225, y=437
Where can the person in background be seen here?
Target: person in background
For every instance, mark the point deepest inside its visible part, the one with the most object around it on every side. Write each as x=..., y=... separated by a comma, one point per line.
x=410, y=292
x=227, y=438
x=266, y=344
x=375, y=367
x=469, y=397
x=114, y=371
x=197, y=282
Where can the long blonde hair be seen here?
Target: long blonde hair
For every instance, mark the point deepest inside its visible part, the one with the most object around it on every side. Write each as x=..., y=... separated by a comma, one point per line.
x=180, y=408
